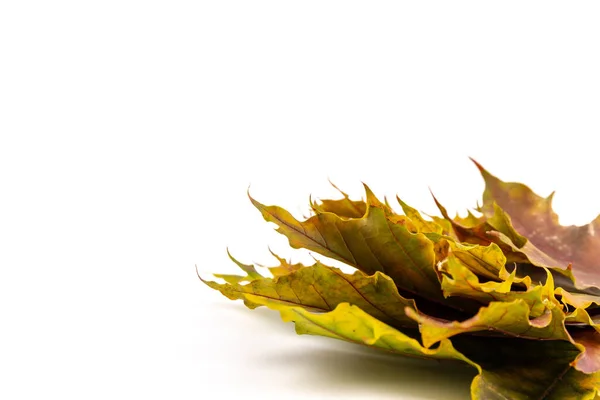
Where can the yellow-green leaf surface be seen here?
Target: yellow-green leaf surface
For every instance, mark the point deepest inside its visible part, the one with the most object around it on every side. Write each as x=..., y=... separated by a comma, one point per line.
x=502, y=222
x=533, y=217
x=510, y=318
x=350, y=323
x=422, y=224
x=577, y=300
x=431, y=229
x=485, y=261
x=250, y=270
x=459, y=280
x=285, y=267
x=470, y=220
x=344, y=208
x=582, y=319
x=579, y=316
x=375, y=242
x=322, y=288
x=507, y=371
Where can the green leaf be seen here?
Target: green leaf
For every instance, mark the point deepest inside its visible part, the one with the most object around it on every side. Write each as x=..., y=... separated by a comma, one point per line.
x=322, y=288
x=378, y=241
x=532, y=217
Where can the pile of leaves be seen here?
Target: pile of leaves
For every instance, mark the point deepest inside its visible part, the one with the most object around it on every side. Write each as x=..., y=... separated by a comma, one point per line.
x=507, y=289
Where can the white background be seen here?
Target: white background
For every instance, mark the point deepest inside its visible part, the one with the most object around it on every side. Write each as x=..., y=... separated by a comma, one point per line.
x=130, y=132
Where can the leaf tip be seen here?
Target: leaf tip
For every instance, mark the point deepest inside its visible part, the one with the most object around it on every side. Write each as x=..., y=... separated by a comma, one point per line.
x=337, y=188
x=206, y=278
x=229, y=255
x=371, y=198
x=244, y=267
x=197, y=272
x=250, y=196
x=477, y=164
x=313, y=203
x=440, y=206
x=550, y=198
x=484, y=172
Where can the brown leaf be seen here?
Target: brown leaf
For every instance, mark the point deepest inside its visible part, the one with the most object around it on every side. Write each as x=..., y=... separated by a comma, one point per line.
x=533, y=218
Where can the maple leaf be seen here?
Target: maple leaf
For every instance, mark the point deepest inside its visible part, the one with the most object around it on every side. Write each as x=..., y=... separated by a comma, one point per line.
x=532, y=216
x=511, y=292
